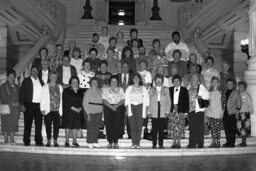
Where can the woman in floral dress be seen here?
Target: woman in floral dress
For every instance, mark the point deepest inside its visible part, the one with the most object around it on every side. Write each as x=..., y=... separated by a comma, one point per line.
x=243, y=117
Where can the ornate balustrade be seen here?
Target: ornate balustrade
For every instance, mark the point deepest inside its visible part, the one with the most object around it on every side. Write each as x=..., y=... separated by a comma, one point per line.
x=49, y=28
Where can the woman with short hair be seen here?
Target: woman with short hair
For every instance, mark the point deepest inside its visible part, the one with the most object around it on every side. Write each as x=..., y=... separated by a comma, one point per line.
x=113, y=100
x=159, y=108
x=92, y=104
x=9, y=94
x=72, y=99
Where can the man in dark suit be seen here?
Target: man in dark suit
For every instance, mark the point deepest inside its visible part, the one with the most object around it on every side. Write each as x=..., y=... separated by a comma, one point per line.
x=43, y=74
x=180, y=105
x=65, y=72
x=30, y=96
x=124, y=81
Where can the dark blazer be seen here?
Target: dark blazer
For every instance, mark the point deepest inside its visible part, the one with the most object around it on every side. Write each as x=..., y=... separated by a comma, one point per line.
x=120, y=82
x=26, y=91
x=40, y=77
x=183, y=103
x=60, y=73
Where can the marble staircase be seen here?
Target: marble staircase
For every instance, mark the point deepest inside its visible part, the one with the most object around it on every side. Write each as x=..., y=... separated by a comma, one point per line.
x=82, y=33
x=125, y=144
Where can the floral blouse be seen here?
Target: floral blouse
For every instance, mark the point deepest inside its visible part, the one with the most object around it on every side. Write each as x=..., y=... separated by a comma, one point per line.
x=113, y=96
x=192, y=92
x=54, y=97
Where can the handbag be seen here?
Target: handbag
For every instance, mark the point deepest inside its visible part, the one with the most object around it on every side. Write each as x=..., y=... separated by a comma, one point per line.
x=5, y=108
x=202, y=102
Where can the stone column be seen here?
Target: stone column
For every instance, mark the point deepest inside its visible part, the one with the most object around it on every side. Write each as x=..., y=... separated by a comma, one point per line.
x=250, y=74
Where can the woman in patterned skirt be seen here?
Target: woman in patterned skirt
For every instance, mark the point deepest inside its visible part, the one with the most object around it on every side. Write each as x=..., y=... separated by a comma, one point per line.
x=215, y=110
x=180, y=107
x=243, y=117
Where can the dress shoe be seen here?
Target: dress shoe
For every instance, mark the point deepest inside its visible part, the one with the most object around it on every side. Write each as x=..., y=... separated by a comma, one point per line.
x=90, y=146
x=116, y=146
x=96, y=145
x=225, y=145
x=138, y=146
x=161, y=147
x=173, y=146
x=56, y=144
x=243, y=144
x=40, y=144
x=109, y=146
x=133, y=147
x=27, y=144
x=153, y=147
x=190, y=146
x=178, y=146
x=67, y=144
x=48, y=144
x=76, y=145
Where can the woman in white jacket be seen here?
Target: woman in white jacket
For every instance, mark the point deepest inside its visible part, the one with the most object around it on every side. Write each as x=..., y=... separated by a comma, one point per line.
x=136, y=103
x=51, y=107
x=196, y=114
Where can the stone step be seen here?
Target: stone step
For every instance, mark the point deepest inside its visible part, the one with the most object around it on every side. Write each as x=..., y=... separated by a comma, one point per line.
x=126, y=143
x=122, y=152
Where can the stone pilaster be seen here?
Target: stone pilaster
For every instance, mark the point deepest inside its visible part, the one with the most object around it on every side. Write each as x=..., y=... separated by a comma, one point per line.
x=3, y=47
x=250, y=74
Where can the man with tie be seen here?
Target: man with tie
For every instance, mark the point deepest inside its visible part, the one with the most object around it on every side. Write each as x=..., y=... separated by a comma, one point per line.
x=125, y=81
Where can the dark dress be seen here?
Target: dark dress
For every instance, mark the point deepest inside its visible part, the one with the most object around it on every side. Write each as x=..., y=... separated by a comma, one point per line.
x=10, y=122
x=71, y=119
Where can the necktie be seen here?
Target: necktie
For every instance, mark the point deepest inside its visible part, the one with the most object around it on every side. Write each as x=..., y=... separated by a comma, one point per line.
x=124, y=81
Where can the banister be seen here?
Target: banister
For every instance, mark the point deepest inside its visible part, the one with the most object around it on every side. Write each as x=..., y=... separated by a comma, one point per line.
x=59, y=20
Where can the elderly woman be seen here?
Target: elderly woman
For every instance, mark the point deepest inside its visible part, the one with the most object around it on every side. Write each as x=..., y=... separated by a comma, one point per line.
x=76, y=60
x=136, y=103
x=180, y=107
x=72, y=99
x=196, y=114
x=243, y=117
x=173, y=71
x=233, y=105
x=51, y=107
x=113, y=100
x=93, y=107
x=9, y=93
x=159, y=108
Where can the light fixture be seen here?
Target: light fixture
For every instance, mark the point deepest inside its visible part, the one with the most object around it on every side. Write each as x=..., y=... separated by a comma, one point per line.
x=121, y=12
x=245, y=47
x=120, y=22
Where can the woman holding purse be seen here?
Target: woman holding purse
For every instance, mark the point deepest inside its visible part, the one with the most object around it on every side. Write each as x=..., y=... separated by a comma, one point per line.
x=9, y=95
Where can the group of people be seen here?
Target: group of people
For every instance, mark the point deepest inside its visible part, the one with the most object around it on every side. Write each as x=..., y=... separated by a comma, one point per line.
x=115, y=80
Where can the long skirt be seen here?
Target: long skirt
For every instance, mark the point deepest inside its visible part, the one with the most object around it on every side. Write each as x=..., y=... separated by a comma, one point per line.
x=244, y=124
x=176, y=125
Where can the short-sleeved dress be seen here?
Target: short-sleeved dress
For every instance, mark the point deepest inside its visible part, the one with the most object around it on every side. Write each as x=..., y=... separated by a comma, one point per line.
x=9, y=95
x=71, y=119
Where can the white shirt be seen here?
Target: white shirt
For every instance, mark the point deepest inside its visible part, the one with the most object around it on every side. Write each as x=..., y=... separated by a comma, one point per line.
x=45, y=76
x=158, y=89
x=66, y=74
x=77, y=63
x=176, y=95
x=127, y=78
x=183, y=47
x=104, y=41
x=37, y=88
x=146, y=77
